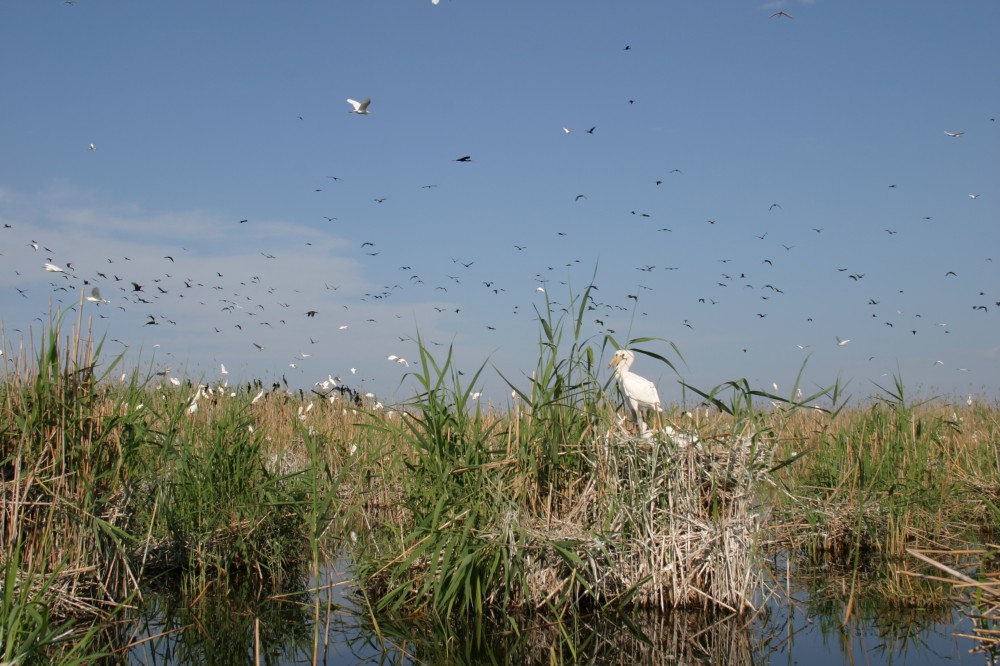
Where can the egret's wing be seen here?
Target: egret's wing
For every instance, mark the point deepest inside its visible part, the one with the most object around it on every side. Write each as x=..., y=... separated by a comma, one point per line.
x=640, y=389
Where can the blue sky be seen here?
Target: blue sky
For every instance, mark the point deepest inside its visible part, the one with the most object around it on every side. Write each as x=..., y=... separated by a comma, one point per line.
x=206, y=114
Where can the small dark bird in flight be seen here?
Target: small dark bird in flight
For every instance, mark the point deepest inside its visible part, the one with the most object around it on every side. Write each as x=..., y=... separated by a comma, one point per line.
x=136, y=286
x=311, y=313
x=591, y=130
x=785, y=14
x=466, y=158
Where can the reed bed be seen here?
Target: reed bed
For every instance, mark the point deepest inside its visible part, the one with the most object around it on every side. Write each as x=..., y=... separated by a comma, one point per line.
x=881, y=477
x=556, y=505
x=119, y=485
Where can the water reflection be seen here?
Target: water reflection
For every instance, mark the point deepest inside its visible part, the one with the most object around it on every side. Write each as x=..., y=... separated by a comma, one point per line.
x=328, y=624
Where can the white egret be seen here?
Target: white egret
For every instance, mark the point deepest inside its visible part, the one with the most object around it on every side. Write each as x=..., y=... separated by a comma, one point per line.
x=95, y=297
x=638, y=391
x=360, y=107
x=841, y=343
x=52, y=268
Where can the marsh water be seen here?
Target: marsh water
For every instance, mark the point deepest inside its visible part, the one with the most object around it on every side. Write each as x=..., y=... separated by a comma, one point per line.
x=800, y=625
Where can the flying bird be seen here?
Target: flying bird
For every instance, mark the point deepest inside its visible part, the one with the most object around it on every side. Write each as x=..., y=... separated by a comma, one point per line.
x=466, y=158
x=785, y=14
x=639, y=391
x=841, y=343
x=360, y=107
x=954, y=135
x=95, y=297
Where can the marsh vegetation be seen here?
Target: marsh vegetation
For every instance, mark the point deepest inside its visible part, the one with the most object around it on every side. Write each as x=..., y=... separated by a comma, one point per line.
x=537, y=522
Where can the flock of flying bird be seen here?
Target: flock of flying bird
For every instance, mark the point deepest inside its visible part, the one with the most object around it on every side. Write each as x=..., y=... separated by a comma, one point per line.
x=244, y=308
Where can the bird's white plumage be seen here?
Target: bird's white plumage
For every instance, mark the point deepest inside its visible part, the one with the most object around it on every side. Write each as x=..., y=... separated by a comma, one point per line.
x=360, y=107
x=95, y=297
x=638, y=391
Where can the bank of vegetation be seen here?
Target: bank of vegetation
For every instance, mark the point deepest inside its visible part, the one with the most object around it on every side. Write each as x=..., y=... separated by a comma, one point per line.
x=117, y=485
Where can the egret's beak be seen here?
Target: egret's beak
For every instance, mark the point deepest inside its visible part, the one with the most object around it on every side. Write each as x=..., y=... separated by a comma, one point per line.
x=614, y=361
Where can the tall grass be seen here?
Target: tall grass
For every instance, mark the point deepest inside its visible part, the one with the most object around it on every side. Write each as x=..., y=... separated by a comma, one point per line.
x=115, y=489
x=880, y=477
x=109, y=484
x=554, y=506
x=61, y=454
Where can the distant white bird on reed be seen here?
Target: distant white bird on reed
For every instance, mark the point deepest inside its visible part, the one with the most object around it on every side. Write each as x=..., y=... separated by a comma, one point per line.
x=193, y=407
x=638, y=391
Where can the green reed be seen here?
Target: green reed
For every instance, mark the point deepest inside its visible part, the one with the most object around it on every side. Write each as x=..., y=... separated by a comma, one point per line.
x=880, y=476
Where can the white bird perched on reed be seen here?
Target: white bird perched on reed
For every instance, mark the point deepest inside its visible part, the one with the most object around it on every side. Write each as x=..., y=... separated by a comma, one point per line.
x=638, y=391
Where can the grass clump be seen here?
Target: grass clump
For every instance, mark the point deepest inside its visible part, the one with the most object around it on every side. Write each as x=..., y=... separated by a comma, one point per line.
x=555, y=506
x=882, y=477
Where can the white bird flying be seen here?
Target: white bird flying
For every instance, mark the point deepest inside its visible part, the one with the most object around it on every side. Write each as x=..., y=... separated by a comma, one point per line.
x=52, y=268
x=840, y=342
x=638, y=391
x=360, y=107
x=95, y=297
x=954, y=135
